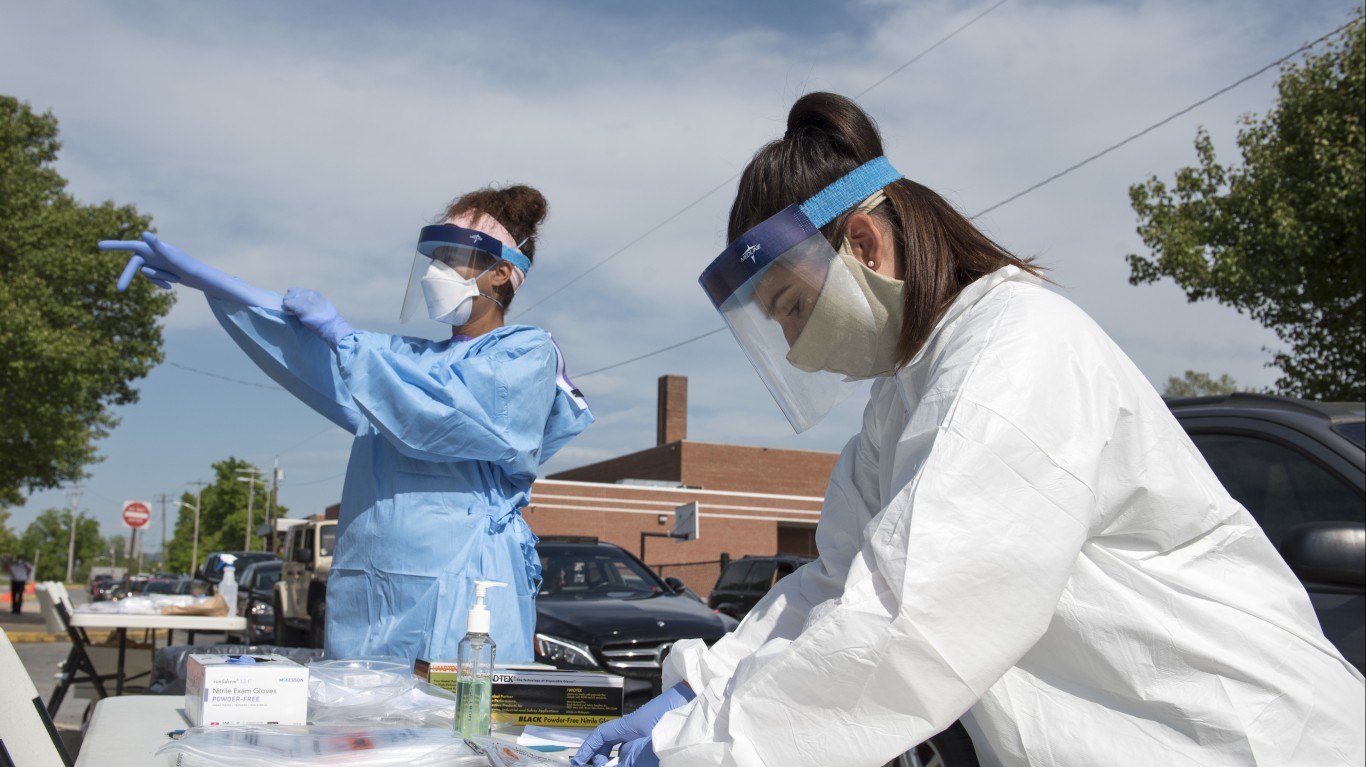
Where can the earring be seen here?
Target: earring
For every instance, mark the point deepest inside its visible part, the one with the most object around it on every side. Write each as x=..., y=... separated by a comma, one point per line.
x=870, y=263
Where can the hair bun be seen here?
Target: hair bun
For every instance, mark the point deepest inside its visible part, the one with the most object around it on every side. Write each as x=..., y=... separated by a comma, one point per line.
x=836, y=122
x=521, y=209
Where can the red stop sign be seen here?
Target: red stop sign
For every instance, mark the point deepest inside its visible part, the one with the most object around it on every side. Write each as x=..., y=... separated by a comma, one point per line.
x=136, y=513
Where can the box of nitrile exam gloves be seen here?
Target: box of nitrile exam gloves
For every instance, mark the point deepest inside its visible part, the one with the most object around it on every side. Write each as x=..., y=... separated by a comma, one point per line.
x=245, y=689
x=540, y=694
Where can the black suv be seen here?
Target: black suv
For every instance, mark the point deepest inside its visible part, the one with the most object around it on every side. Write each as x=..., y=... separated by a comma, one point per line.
x=743, y=582
x=601, y=609
x=1300, y=468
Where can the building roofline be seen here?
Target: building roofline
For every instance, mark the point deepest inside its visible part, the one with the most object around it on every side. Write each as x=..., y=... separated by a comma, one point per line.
x=685, y=490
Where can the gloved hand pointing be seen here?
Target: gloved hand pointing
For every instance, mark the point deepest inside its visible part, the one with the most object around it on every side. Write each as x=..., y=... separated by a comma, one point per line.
x=164, y=264
x=317, y=314
x=633, y=730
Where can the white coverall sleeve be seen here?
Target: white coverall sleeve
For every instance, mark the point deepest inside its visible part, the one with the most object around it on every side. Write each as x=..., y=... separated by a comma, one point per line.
x=850, y=502
x=956, y=579
x=292, y=355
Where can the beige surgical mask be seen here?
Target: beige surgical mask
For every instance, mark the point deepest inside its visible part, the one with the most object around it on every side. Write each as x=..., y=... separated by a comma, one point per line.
x=843, y=336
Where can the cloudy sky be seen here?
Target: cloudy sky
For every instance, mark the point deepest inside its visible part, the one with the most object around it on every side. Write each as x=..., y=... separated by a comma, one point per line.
x=305, y=143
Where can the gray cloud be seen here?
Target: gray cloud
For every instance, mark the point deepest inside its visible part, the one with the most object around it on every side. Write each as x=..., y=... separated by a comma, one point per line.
x=303, y=145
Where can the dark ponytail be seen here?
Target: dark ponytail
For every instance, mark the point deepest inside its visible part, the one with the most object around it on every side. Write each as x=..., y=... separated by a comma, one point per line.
x=828, y=136
x=521, y=210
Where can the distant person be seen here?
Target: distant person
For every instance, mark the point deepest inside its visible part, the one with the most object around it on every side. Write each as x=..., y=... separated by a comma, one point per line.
x=20, y=573
x=1021, y=536
x=449, y=434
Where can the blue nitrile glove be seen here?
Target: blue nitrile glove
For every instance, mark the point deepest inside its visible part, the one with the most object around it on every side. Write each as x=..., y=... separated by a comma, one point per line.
x=635, y=726
x=635, y=753
x=164, y=265
x=317, y=314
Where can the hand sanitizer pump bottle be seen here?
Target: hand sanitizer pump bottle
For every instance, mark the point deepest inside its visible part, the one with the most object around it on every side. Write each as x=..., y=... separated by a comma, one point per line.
x=228, y=586
x=474, y=675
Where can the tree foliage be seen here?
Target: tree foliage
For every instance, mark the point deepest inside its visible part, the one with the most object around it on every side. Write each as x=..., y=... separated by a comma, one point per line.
x=46, y=539
x=73, y=344
x=1283, y=237
x=9, y=542
x=223, y=515
x=1196, y=384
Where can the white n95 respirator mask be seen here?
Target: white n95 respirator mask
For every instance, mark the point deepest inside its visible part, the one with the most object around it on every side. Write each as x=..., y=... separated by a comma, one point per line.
x=450, y=297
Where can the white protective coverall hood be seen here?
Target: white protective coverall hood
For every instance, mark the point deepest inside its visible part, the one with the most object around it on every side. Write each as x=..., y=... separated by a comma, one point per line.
x=1024, y=537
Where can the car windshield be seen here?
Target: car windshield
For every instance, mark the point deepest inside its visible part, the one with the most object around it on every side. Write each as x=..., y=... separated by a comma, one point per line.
x=159, y=587
x=265, y=578
x=595, y=574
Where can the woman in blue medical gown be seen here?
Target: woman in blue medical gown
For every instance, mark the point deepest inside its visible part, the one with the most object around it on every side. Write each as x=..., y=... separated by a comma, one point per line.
x=448, y=434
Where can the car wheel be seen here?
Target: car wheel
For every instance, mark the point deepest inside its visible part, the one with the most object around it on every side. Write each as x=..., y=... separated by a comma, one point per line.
x=317, y=622
x=950, y=748
x=285, y=635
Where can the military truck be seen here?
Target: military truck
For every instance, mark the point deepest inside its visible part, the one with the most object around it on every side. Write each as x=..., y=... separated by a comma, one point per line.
x=301, y=592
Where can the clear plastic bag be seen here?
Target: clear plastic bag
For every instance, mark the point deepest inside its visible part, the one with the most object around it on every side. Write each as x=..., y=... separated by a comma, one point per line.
x=379, y=691
x=141, y=605
x=276, y=746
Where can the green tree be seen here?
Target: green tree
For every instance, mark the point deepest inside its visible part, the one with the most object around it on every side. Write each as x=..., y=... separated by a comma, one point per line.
x=46, y=539
x=9, y=542
x=1194, y=384
x=1283, y=237
x=73, y=344
x=223, y=515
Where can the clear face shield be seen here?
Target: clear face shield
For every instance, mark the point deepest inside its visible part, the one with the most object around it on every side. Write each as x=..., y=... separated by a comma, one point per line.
x=446, y=268
x=794, y=304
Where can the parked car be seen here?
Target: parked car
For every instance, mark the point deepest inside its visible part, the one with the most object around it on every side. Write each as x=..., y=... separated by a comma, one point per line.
x=175, y=585
x=601, y=609
x=256, y=599
x=743, y=582
x=100, y=586
x=1300, y=468
x=300, y=600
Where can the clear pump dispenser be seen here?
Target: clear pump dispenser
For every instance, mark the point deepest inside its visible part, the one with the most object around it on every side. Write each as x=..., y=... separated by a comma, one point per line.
x=474, y=674
x=228, y=586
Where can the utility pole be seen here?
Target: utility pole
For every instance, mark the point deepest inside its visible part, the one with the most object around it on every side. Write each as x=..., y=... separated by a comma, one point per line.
x=75, y=496
x=163, y=498
x=275, y=476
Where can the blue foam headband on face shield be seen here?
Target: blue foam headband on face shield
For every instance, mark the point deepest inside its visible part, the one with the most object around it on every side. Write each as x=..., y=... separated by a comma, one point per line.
x=449, y=235
x=853, y=188
x=754, y=250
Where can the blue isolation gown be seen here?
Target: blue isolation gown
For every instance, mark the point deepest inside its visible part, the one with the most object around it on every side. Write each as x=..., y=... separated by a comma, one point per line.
x=448, y=439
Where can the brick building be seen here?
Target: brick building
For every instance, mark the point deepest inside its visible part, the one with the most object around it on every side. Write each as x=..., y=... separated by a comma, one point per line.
x=751, y=500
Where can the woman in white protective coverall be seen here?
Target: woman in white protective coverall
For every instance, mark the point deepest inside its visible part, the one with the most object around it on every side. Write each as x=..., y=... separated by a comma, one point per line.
x=449, y=434
x=1021, y=536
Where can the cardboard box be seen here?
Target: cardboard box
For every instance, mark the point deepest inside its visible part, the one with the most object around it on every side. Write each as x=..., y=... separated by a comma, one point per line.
x=224, y=689
x=541, y=694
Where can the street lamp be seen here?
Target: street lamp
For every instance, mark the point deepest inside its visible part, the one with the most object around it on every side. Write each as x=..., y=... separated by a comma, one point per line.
x=251, y=494
x=194, y=548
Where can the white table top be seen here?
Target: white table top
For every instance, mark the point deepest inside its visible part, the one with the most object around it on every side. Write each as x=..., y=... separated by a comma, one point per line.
x=143, y=621
x=126, y=731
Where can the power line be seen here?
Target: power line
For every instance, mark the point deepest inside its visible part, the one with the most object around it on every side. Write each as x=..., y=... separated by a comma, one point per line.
x=315, y=481
x=223, y=378
x=920, y=55
x=713, y=331
x=1162, y=122
x=1046, y=181
x=727, y=182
